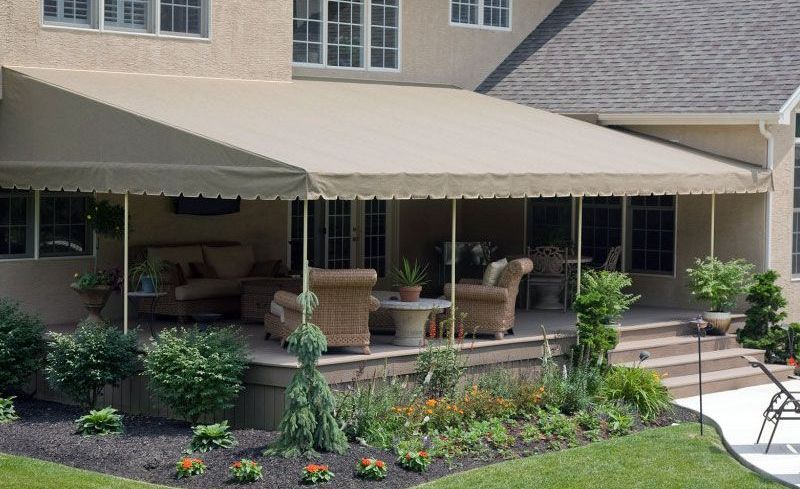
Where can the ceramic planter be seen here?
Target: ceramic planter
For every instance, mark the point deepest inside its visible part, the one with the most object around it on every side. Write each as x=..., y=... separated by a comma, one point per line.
x=94, y=299
x=147, y=284
x=410, y=294
x=719, y=321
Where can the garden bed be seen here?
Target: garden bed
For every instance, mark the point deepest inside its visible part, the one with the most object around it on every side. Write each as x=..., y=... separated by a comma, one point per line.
x=150, y=448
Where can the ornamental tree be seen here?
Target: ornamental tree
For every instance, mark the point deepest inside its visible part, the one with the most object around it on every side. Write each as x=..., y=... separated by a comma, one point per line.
x=308, y=424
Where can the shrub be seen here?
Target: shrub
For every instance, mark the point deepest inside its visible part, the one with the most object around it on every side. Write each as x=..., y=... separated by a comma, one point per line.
x=196, y=372
x=569, y=389
x=639, y=388
x=7, y=411
x=429, y=416
x=554, y=426
x=246, y=470
x=719, y=283
x=22, y=344
x=766, y=311
x=500, y=383
x=188, y=467
x=316, y=474
x=210, y=436
x=361, y=410
x=104, y=421
x=415, y=461
x=482, y=404
x=372, y=469
x=601, y=303
x=776, y=343
x=97, y=354
x=438, y=370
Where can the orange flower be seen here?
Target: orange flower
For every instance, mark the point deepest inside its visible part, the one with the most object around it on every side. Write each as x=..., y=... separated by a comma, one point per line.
x=379, y=464
x=431, y=402
x=408, y=456
x=423, y=454
x=365, y=462
x=792, y=362
x=237, y=465
x=186, y=464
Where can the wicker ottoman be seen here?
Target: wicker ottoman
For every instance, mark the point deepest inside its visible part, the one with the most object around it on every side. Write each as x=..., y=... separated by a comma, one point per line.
x=257, y=295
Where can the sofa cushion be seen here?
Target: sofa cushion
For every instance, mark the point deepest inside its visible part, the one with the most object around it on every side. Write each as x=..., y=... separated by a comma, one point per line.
x=230, y=261
x=177, y=277
x=207, y=288
x=181, y=255
x=201, y=270
x=277, y=310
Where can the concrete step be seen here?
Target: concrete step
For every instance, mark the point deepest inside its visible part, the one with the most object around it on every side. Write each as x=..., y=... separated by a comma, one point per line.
x=679, y=365
x=665, y=329
x=724, y=380
x=628, y=351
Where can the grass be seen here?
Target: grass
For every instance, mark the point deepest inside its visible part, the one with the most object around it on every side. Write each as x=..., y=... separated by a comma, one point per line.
x=29, y=473
x=671, y=457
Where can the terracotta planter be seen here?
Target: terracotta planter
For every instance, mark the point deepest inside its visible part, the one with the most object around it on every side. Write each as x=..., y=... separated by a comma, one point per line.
x=719, y=321
x=94, y=300
x=409, y=294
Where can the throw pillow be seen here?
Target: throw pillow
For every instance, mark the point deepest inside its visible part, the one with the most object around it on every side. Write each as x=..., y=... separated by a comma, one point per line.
x=267, y=268
x=493, y=271
x=201, y=270
x=177, y=276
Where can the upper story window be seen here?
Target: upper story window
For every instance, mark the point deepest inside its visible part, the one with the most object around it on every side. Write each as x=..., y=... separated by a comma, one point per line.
x=493, y=14
x=160, y=17
x=362, y=34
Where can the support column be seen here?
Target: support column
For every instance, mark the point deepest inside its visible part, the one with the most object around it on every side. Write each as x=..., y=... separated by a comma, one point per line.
x=713, y=219
x=579, y=265
x=125, y=267
x=453, y=276
x=305, y=251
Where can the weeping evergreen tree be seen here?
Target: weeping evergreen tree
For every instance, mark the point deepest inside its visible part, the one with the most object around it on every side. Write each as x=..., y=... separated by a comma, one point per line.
x=308, y=425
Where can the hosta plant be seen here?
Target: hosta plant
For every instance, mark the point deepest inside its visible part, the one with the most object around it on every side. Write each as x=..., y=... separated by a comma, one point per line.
x=372, y=469
x=206, y=437
x=246, y=470
x=415, y=461
x=7, y=412
x=188, y=467
x=316, y=474
x=104, y=421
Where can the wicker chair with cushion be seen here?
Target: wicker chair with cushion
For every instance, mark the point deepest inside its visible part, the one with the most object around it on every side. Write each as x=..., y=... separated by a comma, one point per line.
x=345, y=301
x=491, y=309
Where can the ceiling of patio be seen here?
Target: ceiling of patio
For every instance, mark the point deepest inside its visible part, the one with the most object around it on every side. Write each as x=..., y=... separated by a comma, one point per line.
x=113, y=132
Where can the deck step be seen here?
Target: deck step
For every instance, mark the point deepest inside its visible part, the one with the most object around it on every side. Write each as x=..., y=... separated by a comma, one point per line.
x=724, y=380
x=628, y=351
x=679, y=365
x=654, y=330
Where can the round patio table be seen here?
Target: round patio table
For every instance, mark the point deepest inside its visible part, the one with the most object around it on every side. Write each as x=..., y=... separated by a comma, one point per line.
x=410, y=318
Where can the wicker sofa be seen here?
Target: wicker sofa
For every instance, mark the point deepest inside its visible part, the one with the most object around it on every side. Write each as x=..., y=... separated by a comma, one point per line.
x=491, y=309
x=223, y=268
x=345, y=302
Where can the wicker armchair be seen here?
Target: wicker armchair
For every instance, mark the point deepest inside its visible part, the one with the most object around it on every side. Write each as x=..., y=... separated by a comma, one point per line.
x=345, y=302
x=491, y=309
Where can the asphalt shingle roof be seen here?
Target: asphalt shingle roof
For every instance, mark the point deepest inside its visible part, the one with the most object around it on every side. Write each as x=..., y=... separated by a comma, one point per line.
x=656, y=56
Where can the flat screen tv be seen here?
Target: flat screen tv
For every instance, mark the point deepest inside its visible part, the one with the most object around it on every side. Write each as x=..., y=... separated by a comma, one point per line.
x=200, y=206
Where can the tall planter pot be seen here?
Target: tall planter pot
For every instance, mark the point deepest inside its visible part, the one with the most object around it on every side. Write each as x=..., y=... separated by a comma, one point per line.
x=94, y=299
x=719, y=321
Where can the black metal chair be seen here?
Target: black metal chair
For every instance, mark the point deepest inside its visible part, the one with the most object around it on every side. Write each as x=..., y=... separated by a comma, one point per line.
x=783, y=405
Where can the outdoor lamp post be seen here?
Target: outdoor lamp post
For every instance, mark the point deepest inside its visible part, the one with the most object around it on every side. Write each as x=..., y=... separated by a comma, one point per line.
x=701, y=326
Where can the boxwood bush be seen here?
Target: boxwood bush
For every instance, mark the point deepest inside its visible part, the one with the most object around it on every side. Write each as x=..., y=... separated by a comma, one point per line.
x=196, y=372
x=22, y=344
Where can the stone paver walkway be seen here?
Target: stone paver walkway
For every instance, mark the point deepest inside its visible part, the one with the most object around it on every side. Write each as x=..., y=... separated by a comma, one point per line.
x=738, y=413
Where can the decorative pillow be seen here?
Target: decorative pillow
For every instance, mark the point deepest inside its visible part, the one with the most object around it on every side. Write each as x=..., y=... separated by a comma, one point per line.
x=277, y=310
x=267, y=268
x=201, y=270
x=177, y=276
x=493, y=271
x=230, y=262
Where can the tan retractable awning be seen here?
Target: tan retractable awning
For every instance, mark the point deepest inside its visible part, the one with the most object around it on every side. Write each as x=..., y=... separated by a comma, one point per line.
x=98, y=131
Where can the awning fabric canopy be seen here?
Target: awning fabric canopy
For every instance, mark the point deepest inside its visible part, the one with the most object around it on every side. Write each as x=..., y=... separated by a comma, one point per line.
x=151, y=134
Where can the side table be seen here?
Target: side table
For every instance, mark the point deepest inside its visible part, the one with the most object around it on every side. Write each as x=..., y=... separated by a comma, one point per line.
x=410, y=318
x=137, y=297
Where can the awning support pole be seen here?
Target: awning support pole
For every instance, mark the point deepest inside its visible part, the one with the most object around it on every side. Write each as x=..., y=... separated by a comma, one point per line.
x=580, y=247
x=305, y=252
x=452, y=333
x=713, y=219
x=125, y=268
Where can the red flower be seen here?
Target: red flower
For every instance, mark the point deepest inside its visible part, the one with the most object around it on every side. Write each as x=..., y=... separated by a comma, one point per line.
x=379, y=464
x=237, y=465
x=408, y=456
x=365, y=462
x=792, y=362
x=423, y=454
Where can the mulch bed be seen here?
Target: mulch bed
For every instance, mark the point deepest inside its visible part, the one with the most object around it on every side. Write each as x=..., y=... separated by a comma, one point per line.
x=150, y=448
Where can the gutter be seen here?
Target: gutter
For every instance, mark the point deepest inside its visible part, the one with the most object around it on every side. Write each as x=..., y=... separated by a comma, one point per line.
x=762, y=127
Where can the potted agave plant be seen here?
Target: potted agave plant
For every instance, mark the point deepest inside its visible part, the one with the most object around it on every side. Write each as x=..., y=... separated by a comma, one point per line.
x=409, y=280
x=719, y=284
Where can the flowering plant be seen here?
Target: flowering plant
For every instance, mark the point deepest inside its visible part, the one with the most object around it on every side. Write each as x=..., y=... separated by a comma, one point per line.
x=315, y=474
x=482, y=404
x=189, y=466
x=246, y=470
x=101, y=278
x=416, y=461
x=372, y=469
x=432, y=414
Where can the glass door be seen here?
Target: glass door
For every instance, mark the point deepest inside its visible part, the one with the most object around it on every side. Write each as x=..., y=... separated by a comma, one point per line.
x=339, y=235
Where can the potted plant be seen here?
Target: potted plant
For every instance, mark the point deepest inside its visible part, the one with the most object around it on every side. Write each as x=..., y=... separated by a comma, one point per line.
x=94, y=288
x=719, y=284
x=409, y=280
x=600, y=307
x=147, y=275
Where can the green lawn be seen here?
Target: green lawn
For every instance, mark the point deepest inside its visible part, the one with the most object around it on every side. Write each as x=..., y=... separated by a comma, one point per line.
x=28, y=473
x=672, y=457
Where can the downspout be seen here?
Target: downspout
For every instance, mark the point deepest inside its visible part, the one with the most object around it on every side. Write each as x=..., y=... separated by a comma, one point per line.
x=762, y=127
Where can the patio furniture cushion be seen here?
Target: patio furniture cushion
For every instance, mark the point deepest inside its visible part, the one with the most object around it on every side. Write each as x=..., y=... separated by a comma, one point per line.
x=207, y=288
x=493, y=270
x=277, y=310
x=181, y=255
x=177, y=277
x=201, y=270
x=230, y=261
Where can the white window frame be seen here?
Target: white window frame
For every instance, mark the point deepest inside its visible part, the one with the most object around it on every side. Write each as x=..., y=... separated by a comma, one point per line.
x=795, y=277
x=97, y=23
x=627, y=244
x=366, y=48
x=480, y=24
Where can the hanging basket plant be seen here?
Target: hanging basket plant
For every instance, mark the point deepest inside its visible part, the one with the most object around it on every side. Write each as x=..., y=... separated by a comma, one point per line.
x=105, y=219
